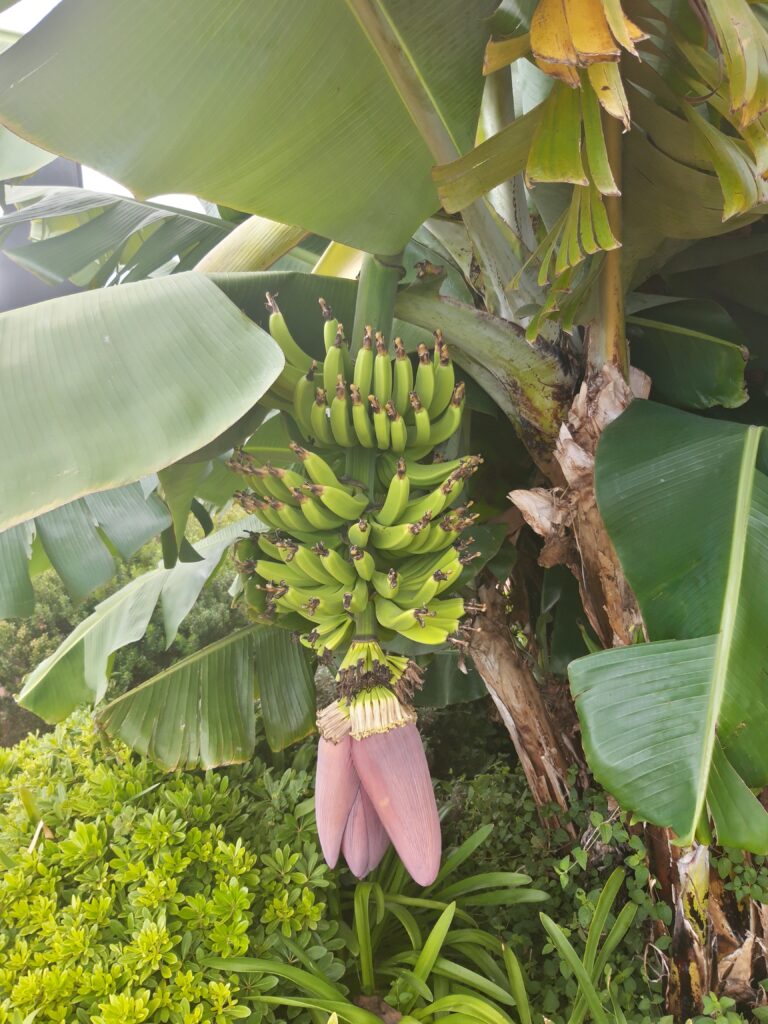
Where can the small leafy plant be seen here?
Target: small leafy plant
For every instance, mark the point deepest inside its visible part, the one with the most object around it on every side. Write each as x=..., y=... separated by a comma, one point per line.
x=118, y=881
x=425, y=958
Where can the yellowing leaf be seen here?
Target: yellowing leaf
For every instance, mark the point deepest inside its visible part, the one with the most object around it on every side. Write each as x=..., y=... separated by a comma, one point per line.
x=744, y=44
x=551, y=42
x=624, y=31
x=737, y=176
x=501, y=52
x=591, y=37
x=609, y=89
x=566, y=34
x=594, y=142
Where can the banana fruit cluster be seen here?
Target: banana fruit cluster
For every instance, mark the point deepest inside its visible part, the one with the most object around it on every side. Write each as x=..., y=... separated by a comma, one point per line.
x=343, y=557
x=380, y=402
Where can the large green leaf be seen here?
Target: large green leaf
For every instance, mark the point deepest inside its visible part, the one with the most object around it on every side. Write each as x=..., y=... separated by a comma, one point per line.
x=93, y=238
x=446, y=682
x=286, y=688
x=216, y=105
x=694, y=352
x=678, y=725
x=77, y=672
x=100, y=389
x=198, y=713
x=72, y=539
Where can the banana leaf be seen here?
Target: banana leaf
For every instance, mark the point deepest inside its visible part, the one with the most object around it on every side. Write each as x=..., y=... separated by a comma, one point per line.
x=675, y=729
x=216, y=107
x=100, y=389
x=694, y=352
x=78, y=670
x=93, y=238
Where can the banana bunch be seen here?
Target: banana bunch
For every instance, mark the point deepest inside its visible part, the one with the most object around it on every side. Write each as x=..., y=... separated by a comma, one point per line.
x=336, y=557
x=379, y=403
x=346, y=558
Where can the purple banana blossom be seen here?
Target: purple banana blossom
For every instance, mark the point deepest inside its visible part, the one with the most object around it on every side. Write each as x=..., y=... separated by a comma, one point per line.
x=336, y=787
x=365, y=841
x=394, y=773
x=373, y=786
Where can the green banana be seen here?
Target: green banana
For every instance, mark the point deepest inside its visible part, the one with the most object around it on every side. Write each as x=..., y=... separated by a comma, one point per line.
x=431, y=587
x=280, y=572
x=268, y=543
x=363, y=562
x=391, y=616
x=434, y=502
x=386, y=584
x=360, y=419
x=259, y=508
x=356, y=600
x=274, y=486
x=317, y=515
x=421, y=475
x=403, y=377
x=382, y=371
x=450, y=421
x=318, y=470
x=326, y=560
x=396, y=500
x=335, y=565
x=256, y=598
x=418, y=434
x=311, y=564
x=288, y=477
x=290, y=519
x=398, y=432
x=258, y=484
x=303, y=397
x=445, y=380
x=321, y=427
x=333, y=365
x=425, y=377
x=396, y=538
x=330, y=324
x=428, y=634
x=347, y=506
x=341, y=424
x=362, y=374
x=417, y=568
x=280, y=333
x=359, y=533
x=334, y=637
x=380, y=422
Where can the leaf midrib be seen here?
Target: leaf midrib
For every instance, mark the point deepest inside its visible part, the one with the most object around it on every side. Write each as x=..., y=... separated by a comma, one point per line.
x=441, y=142
x=724, y=646
x=687, y=332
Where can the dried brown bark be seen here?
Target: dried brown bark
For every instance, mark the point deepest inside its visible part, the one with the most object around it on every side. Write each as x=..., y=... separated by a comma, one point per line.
x=568, y=518
x=543, y=750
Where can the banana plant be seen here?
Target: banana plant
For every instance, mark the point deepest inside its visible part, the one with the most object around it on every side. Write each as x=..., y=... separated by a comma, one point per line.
x=607, y=162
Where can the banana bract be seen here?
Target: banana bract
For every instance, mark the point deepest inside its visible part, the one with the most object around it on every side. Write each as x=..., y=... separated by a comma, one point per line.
x=367, y=543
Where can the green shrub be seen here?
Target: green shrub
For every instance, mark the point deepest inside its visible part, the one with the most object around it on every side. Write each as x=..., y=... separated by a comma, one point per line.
x=572, y=871
x=119, y=880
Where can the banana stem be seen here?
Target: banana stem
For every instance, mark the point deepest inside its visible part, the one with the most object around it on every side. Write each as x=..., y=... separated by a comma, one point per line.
x=376, y=289
x=255, y=244
x=608, y=341
x=365, y=624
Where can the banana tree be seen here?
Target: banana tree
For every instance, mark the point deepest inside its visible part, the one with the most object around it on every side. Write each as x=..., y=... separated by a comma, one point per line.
x=608, y=168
